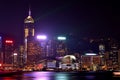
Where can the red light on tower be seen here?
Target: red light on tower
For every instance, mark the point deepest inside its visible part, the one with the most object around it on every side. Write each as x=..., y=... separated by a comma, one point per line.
x=8, y=41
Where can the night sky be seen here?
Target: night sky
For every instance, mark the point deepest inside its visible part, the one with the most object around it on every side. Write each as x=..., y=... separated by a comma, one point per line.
x=85, y=18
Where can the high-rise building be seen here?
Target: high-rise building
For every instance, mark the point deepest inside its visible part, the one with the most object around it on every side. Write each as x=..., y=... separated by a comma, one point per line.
x=61, y=47
x=102, y=53
x=29, y=25
x=8, y=51
x=21, y=58
x=51, y=48
x=32, y=48
x=28, y=28
x=28, y=33
x=90, y=61
x=113, y=56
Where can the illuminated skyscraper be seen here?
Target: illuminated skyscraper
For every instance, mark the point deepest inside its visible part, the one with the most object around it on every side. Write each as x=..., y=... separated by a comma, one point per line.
x=29, y=25
x=61, y=46
x=8, y=51
x=32, y=48
x=28, y=28
x=28, y=32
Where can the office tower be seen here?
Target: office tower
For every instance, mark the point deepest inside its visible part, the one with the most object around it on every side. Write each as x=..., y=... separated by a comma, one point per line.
x=61, y=47
x=90, y=61
x=32, y=47
x=8, y=51
x=28, y=28
x=21, y=58
x=28, y=34
x=51, y=49
x=113, y=55
x=102, y=53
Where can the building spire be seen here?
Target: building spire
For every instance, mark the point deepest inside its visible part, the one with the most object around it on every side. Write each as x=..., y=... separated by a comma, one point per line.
x=29, y=11
x=29, y=19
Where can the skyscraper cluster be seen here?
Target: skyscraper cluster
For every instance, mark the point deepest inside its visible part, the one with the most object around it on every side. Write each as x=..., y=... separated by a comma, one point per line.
x=33, y=50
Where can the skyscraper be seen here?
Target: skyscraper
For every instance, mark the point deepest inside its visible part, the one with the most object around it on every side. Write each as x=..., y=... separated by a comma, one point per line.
x=28, y=28
x=28, y=32
x=32, y=48
x=8, y=51
x=29, y=25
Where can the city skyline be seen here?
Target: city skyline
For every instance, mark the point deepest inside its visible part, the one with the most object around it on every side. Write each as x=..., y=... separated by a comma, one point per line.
x=83, y=18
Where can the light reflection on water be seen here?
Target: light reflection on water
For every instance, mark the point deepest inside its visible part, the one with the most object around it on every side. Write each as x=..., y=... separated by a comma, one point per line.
x=40, y=75
x=7, y=78
x=51, y=76
x=61, y=76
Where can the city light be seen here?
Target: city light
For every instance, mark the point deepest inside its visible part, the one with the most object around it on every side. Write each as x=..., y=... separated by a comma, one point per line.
x=71, y=56
x=116, y=73
x=42, y=37
x=15, y=54
x=91, y=54
x=61, y=38
x=0, y=64
x=8, y=41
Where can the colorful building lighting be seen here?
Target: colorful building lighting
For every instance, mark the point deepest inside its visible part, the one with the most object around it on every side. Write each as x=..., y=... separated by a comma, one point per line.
x=15, y=54
x=8, y=41
x=61, y=38
x=41, y=37
x=91, y=54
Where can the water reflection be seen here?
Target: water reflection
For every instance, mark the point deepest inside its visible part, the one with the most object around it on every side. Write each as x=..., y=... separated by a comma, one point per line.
x=40, y=75
x=90, y=77
x=61, y=76
x=55, y=76
x=7, y=78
